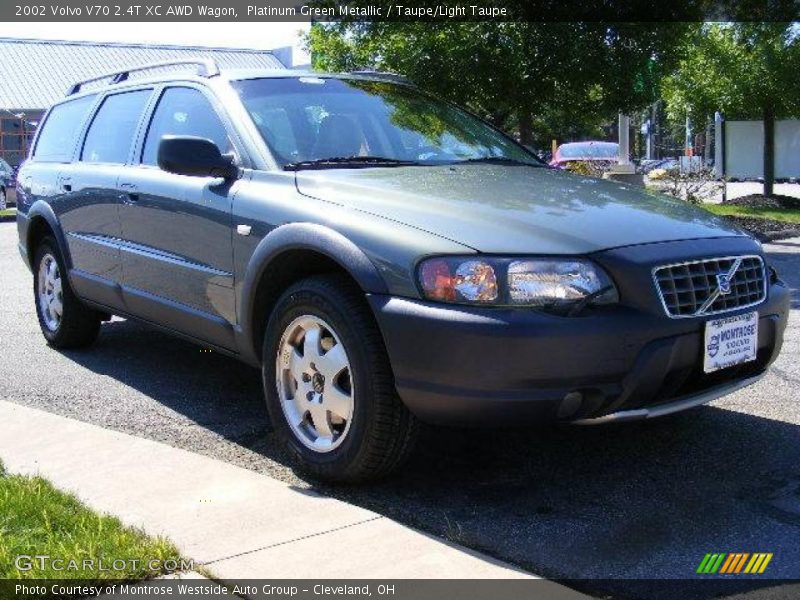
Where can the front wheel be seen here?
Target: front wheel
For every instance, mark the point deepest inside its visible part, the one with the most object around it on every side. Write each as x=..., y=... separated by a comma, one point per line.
x=64, y=320
x=329, y=386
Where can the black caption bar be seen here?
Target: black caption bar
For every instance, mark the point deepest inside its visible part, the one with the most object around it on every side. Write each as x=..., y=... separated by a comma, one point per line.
x=400, y=10
x=393, y=589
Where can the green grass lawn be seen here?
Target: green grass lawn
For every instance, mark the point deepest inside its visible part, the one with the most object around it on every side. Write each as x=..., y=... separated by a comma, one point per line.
x=8, y=212
x=37, y=519
x=788, y=215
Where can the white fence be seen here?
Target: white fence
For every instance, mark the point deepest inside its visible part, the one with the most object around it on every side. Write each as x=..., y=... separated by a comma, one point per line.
x=742, y=155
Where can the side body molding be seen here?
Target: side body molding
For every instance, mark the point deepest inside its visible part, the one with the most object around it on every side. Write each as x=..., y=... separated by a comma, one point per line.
x=299, y=236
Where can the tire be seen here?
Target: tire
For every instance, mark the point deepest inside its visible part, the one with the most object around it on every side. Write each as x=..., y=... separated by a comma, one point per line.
x=380, y=431
x=3, y=199
x=77, y=325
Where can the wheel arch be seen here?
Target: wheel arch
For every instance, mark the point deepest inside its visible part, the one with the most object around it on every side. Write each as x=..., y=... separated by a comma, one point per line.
x=286, y=255
x=42, y=221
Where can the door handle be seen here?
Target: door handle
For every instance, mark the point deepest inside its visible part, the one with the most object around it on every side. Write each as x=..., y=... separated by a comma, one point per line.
x=131, y=193
x=66, y=184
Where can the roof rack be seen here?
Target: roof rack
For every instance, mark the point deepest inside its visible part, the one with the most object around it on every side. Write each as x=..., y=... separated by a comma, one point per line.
x=206, y=67
x=383, y=75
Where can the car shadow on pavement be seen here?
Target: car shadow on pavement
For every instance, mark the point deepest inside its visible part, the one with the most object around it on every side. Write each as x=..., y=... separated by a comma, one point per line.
x=214, y=392
x=636, y=501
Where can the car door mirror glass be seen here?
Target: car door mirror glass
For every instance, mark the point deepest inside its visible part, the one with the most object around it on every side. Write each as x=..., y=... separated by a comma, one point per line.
x=195, y=156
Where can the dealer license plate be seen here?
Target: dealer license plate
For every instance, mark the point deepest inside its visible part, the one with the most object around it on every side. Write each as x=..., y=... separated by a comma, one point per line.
x=730, y=341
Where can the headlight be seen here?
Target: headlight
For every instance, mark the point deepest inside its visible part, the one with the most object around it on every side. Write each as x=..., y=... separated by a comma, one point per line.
x=561, y=286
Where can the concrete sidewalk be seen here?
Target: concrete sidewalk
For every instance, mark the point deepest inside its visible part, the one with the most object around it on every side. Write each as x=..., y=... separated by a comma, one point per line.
x=236, y=522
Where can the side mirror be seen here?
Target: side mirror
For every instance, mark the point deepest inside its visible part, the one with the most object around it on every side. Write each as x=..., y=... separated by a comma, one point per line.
x=195, y=156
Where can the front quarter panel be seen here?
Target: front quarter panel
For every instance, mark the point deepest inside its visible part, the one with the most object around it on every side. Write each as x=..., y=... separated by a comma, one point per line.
x=270, y=200
x=270, y=216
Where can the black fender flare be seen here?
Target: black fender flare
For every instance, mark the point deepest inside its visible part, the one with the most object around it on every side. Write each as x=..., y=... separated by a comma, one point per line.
x=301, y=236
x=42, y=210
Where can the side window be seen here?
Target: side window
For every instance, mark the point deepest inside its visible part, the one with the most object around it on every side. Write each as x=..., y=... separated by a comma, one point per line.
x=183, y=111
x=111, y=133
x=60, y=131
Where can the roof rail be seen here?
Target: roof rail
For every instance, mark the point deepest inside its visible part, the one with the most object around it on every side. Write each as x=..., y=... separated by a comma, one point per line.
x=206, y=67
x=383, y=75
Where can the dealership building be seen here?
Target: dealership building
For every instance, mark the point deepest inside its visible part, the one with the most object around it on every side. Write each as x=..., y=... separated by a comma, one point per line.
x=36, y=73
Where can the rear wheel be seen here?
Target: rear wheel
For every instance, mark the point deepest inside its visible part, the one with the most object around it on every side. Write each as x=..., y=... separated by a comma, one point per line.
x=329, y=385
x=3, y=199
x=63, y=319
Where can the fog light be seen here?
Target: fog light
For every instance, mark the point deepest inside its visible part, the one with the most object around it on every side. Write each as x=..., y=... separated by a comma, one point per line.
x=570, y=405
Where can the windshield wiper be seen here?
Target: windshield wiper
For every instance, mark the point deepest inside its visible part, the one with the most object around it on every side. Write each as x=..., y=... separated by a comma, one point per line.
x=353, y=162
x=502, y=160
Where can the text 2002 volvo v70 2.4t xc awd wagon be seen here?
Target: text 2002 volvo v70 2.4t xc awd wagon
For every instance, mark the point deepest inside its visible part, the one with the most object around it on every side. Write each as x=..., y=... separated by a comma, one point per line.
x=385, y=257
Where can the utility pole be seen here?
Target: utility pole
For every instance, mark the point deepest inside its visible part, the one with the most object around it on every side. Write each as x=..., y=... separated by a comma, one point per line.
x=656, y=126
x=719, y=153
x=624, y=142
x=769, y=149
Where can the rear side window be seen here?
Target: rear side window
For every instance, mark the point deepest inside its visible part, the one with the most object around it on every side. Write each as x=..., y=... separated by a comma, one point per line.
x=183, y=111
x=111, y=133
x=60, y=131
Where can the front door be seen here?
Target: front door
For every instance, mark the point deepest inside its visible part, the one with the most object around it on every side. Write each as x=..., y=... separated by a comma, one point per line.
x=176, y=246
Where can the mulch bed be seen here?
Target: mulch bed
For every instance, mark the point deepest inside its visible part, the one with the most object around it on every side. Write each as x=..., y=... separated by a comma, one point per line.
x=766, y=229
x=760, y=201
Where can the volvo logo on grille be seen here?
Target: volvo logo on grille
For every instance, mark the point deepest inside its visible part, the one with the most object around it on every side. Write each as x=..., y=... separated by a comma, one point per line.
x=724, y=284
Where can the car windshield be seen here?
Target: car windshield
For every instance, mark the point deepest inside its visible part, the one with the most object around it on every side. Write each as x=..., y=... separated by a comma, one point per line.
x=604, y=150
x=316, y=119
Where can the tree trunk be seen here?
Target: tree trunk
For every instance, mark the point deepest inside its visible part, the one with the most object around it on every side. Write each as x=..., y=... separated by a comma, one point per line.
x=525, y=127
x=769, y=149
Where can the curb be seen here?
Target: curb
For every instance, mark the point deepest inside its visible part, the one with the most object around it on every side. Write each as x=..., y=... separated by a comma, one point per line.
x=237, y=523
x=774, y=236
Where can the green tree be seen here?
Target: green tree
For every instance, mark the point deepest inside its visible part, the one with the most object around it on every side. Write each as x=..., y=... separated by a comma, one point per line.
x=555, y=77
x=745, y=70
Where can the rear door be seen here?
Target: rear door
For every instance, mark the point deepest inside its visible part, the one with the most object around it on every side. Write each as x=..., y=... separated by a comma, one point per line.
x=176, y=251
x=56, y=141
x=91, y=215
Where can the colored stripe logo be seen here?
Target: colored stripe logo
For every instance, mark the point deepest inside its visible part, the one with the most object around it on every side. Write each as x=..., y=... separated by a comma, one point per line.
x=734, y=563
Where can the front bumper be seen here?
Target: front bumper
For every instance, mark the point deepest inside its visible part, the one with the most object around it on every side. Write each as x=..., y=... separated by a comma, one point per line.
x=471, y=365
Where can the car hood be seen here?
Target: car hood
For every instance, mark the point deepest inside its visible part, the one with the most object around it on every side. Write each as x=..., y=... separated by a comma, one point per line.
x=515, y=209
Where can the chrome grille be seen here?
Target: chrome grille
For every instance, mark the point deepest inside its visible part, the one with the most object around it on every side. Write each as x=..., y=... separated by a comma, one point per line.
x=698, y=288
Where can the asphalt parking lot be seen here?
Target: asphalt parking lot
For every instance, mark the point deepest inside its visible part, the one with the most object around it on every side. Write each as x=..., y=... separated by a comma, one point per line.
x=604, y=505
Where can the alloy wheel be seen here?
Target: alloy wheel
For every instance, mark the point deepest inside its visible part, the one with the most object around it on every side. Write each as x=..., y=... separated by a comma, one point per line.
x=315, y=383
x=51, y=298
